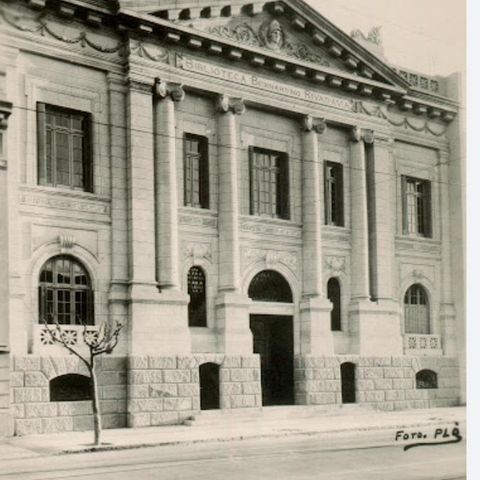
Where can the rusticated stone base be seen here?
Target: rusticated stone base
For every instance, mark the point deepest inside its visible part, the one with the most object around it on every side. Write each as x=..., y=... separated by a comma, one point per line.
x=5, y=424
x=32, y=410
x=166, y=390
x=384, y=383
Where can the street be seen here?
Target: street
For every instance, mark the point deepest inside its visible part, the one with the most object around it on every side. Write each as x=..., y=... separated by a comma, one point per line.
x=305, y=457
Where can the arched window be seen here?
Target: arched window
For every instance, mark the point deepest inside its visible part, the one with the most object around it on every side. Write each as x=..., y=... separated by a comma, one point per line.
x=417, y=311
x=71, y=387
x=270, y=286
x=197, y=308
x=65, y=292
x=426, y=379
x=334, y=295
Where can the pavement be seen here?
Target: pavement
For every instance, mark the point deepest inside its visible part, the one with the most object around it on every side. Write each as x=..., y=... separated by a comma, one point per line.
x=367, y=427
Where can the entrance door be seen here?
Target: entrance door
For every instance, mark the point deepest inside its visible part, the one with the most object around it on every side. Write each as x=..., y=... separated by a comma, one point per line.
x=209, y=386
x=347, y=372
x=273, y=340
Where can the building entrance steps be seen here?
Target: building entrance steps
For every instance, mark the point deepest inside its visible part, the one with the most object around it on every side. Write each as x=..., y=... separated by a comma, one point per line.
x=271, y=413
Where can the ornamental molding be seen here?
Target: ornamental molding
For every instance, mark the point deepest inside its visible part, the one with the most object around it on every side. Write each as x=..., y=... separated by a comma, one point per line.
x=271, y=36
x=278, y=231
x=335, y=265
x=154, y=54
x=198, y=252
x=164, y=89
x=318, y=125
x=374, y=35
x=419, y=125
x=227, y=104
x=64, y=203
x=66, y=242
x=418, y=247
x=271, y=258
x=40, y=25
x=197, y=221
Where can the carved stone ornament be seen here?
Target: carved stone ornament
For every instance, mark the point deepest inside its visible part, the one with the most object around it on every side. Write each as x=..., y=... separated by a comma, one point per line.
x=369, y=136
x=356, y=134
x=163, y=89
x=198, y=251
x=335, y=265
x=226, y=104
x=270, y=257
x=418, y=274
x=139, y=49
x=40, y=25
x=66, y=242
x=310, y=123
x=374, y=35
x=270, y=35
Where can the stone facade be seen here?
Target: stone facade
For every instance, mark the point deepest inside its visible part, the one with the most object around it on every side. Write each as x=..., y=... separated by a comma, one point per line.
x=265, y=75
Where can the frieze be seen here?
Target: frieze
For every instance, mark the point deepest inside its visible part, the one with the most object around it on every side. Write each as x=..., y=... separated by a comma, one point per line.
x=197, y=220
x=40, y=25
x=271, y=229
x=270, y=35
x=153, y=54
x=198, y=251
x=63, y=203
x=417, y=125
x=270, y=257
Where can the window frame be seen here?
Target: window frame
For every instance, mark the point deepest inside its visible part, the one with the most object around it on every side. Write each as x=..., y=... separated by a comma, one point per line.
x=44, y=163
x=197, y=318
x=280, y=207
x=203, y=172
x=414, y=311
x=416, y=224
x=334, y=214
x=53, y=288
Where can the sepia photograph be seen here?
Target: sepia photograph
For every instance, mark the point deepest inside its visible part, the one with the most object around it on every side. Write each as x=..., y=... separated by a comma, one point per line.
x=233, y=240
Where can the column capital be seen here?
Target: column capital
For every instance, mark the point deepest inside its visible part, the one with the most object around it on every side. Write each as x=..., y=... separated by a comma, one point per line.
x=163, y=89
x=369, y=136
x=310, y=123
x=5, y=111
x=227, y=104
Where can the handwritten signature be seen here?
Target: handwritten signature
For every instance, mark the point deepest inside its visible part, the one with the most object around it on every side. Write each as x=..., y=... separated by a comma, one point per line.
x=440, y=436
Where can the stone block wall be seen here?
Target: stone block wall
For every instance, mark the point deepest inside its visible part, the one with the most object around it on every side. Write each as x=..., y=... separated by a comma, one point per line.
x=33, y=412
x=166, y=390
x=4, y=394
x=383, y=383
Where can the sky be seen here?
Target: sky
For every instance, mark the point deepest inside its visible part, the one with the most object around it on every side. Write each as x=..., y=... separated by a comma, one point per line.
x=423, y=35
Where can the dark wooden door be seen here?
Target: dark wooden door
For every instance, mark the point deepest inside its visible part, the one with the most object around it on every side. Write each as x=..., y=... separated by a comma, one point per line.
x=209, y=386
x=273, y=340
x=347, y=371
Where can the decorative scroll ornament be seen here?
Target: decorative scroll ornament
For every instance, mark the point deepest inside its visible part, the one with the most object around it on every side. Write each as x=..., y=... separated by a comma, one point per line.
x=66, y=242
x=163, y=89
x=40, y=25
x=235, y=105
x=374, y=35
x=269, y=35
x=139, y=49
x=356, y=134
x=310, y=123
x=368, y=136
x=270, y=257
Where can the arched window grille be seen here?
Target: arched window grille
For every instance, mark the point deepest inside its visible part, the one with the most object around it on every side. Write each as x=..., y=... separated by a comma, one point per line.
x=197, y=308
x=426, y=379
x=417, y=310
x=334, y=295
x=270, y=286
x=65, y=292
x=71, y=387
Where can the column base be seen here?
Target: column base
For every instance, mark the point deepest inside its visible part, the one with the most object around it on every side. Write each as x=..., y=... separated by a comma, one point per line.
x=315, y=326
x=376, y=329
x=233, y=323
x=159, y=324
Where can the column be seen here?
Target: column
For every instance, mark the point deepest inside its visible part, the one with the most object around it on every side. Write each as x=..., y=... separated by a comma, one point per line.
x=231, y=305
x=315, y=326
x=448, y=327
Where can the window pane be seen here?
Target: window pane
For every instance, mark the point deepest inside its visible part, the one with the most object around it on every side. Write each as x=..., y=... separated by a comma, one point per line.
x=62, y=158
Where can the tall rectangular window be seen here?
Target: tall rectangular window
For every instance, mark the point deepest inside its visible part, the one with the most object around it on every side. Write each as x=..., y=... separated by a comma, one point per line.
x=195, y=171
x=416, y=206
x=269, y=186
x=64, y=157
x=333, y=180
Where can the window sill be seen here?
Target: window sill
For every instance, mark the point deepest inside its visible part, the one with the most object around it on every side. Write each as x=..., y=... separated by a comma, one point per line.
x=272, y=220
x=65, y=192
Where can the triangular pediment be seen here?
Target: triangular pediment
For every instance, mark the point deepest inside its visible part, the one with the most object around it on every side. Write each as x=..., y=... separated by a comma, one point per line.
x=289, y=29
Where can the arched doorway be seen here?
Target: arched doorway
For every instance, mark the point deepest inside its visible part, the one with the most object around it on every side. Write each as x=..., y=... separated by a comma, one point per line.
x=209, y=386
x=273, y=338
x=347, y=373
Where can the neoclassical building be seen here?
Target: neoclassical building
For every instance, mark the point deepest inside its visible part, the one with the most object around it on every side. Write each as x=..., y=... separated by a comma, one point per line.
x=273, y=211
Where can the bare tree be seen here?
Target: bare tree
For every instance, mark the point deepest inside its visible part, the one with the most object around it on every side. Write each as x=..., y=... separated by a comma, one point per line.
x=104, y=340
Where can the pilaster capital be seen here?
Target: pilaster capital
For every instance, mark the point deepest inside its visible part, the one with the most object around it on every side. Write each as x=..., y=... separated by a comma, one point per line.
x=310, y=123
x=235, y=105
x=369, y=136
x=162, y=89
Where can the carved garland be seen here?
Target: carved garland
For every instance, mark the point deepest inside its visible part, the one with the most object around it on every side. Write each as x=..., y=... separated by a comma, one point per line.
x=40, y=25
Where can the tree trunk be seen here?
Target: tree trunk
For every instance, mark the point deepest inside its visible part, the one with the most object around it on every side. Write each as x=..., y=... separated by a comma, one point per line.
x=97, y=419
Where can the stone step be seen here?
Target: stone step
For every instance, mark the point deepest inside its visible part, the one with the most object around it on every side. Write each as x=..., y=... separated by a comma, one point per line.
x=273, y=413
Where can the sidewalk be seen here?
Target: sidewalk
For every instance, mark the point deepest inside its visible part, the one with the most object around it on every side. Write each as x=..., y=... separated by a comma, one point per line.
x=379, y=427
